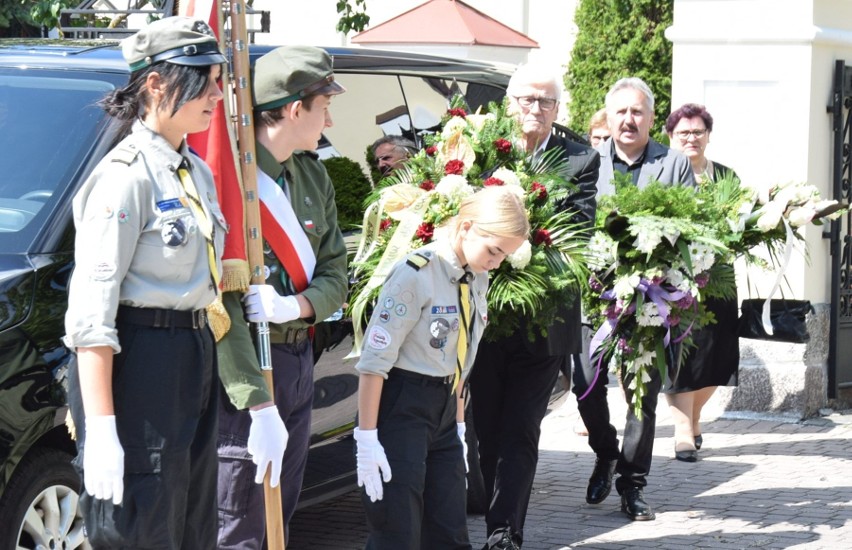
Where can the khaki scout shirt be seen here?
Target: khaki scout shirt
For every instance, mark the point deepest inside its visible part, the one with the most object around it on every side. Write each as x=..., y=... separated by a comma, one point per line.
x=137, y=242
x=415, y=324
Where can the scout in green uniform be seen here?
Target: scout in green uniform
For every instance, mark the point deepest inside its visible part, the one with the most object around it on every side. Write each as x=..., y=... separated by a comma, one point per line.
x=149, y=234
x=410, y=434
x=293, y=87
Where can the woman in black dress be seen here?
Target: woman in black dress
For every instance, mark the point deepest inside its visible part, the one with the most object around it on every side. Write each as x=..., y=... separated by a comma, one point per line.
x=716, y=357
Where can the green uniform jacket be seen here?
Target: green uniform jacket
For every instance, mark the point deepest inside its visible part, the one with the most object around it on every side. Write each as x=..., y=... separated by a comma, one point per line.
x=312, y=198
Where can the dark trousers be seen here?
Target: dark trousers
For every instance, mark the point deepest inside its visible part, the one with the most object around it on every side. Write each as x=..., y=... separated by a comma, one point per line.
x=634, y=460
x=242, y=520
x=424, y=503
x=510, y=390
x=164, y=391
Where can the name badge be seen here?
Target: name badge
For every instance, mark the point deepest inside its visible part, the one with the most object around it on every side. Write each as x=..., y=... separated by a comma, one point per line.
x=169, y=204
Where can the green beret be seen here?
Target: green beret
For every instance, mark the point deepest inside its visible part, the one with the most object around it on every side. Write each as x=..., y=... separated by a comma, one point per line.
x=179, y=40
x=290, y=73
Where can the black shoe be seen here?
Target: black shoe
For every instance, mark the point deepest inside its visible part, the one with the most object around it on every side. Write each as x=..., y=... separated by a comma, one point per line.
x=633, y=504
x=687, y=456
x=501, y=540
x=698, y=441
x=600, y=484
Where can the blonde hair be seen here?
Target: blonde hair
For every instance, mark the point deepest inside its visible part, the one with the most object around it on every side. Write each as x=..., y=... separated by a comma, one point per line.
x=497, y=211
x=598, y=120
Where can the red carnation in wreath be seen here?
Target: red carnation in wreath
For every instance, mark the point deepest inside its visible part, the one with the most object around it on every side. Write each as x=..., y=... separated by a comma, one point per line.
x=503, y=146
x=454, y=167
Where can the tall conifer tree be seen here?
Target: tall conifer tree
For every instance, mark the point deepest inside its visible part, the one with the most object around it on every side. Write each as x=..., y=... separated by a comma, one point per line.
x=618, y=38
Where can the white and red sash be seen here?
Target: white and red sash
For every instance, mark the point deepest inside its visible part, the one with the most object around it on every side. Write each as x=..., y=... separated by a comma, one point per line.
x=283, y=231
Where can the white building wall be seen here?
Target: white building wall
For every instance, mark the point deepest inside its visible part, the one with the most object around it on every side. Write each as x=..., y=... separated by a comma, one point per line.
x=764, y=70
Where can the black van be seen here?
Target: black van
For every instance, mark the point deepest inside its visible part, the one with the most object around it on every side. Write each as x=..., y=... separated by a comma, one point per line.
x=51, y=136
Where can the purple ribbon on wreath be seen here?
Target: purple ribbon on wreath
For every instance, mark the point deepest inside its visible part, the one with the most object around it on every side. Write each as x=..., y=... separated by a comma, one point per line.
x=661, y=298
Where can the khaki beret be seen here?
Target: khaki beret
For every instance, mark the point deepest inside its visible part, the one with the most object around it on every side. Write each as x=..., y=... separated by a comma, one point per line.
x=179, y=40
x=290, y=73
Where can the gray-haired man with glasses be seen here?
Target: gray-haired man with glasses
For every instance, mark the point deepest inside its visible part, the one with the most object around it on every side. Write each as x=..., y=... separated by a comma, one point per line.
x=513, y=377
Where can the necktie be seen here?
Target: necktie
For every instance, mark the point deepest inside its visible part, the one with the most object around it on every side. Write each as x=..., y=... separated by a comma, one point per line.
x=205, y=224
x=464, y=329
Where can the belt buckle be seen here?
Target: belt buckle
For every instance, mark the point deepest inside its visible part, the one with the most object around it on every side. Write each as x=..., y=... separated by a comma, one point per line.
x=199, y=319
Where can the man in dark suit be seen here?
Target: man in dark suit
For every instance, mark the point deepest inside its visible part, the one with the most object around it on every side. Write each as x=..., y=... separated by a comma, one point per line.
x=513, y=377
x=629, y=150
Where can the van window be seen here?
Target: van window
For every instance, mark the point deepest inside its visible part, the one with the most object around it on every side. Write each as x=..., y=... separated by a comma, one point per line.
x=48, y=123
x=363, y=114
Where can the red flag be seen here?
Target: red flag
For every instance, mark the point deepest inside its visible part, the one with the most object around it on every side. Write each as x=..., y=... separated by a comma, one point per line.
x=216, y=147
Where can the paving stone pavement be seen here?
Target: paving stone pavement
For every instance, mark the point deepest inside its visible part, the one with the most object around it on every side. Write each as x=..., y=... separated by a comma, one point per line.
x=762, y=481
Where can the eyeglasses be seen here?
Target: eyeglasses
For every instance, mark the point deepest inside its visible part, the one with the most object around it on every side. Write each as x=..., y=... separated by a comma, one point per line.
x=683, y=135
x=544, y=103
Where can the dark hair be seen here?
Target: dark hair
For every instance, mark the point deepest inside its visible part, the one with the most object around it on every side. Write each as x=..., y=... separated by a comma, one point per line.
x=182, y=83
x=399, y=142
x=689, y=110
x=271, y=117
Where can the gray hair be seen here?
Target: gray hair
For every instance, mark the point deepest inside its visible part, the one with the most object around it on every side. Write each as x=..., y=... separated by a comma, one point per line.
x=533, y=73
x=404, y=144
x=634, y=83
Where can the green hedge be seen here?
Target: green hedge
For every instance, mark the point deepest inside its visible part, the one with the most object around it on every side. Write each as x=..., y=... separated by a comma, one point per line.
x=351, y=186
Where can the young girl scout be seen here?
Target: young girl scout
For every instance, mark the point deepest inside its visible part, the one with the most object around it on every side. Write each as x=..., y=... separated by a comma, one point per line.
x=149, y=237
x=411, y=460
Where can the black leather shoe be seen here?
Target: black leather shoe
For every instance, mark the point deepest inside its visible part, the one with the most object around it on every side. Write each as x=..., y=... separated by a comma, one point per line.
x=600, y=484
x=698, y=441
x=687, y=456
x=633, y=504
x=501, y=540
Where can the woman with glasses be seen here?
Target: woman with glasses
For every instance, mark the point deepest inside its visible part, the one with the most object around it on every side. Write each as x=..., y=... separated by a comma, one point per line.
x=716, y=357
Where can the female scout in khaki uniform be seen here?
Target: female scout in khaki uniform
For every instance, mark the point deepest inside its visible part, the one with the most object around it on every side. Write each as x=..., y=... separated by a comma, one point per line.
x=149, y=236
x=411, y=421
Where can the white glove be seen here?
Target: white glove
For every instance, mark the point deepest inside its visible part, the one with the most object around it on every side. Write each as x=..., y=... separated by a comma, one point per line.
x=461, y=427
x=371, y=460
x=262, y=303
x=267, y=442
x=103, y=459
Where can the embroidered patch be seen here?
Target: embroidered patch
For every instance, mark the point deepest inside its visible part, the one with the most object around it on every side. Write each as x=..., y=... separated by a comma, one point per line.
x=407, y=297
x=308, y=201
x=103, y=271
x=455, y=325
x=378, y=338
x=309, y=224
x=439, y=328
x=384, y=316
x=123, y=215
x=174, y=233
x=400, y=309
x=444, y=310
x=266, y=272
x=389, y=303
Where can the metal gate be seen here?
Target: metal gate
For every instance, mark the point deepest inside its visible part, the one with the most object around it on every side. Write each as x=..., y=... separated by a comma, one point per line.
x=840, y=233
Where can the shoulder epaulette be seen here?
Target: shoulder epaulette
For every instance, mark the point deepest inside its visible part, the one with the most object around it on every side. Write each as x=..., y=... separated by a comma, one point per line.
x=417, y=260
x=125, y=153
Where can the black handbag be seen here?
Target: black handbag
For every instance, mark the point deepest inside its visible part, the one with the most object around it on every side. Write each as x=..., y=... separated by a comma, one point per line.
x=787, y=318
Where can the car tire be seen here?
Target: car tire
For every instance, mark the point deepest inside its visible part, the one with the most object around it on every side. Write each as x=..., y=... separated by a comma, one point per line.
x=40, y=504
x=476, y=501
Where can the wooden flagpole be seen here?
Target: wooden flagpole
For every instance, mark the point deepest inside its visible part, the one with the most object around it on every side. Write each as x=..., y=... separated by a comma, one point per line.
x=248, y=169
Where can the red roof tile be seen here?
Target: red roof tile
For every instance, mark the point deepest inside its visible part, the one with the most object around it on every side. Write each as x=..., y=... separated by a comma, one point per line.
x=445, y=22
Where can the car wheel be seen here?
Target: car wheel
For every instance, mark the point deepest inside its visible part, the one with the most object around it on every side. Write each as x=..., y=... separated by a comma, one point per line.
x=476, y=501
x=40, y=504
